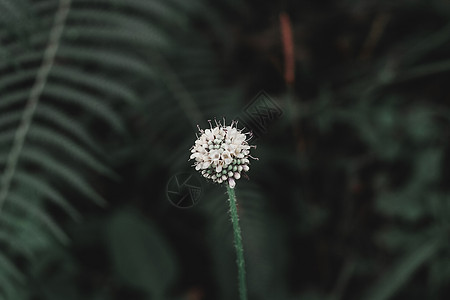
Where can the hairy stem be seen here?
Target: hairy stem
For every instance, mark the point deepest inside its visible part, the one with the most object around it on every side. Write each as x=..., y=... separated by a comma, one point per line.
x=238, y=244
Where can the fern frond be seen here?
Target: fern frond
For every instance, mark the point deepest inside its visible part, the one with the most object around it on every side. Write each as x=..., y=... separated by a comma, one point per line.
x=10, y=269
x=6, y=137
x=152, y=9
x=108, y=58
x=67, y=94
x=47, y=191
x=60, y=142
x=60, y=88
x=32, y=102
x=66, y=123
x=10, y=119
x=31, y=208
x=39, y=157
x=95, y=82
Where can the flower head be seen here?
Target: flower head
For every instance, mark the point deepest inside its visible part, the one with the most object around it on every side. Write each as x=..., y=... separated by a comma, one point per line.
x=222, y=153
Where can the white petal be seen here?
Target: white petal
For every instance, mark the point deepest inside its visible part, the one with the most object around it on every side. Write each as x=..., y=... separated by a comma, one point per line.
x=246, y=168
x=219, y=168
x=237, y=175
x=231, y=182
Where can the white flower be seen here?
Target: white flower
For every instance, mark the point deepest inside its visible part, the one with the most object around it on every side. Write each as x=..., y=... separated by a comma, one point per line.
x=214, y=155
x=221, y=153
x=232, y=183
x=226, y=157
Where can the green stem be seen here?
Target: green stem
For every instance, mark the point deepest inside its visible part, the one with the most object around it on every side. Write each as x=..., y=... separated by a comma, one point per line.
x=238, y=244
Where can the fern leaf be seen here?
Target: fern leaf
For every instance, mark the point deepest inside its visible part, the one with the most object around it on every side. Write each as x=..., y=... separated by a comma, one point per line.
x=66, y=123
x=6, y=137
x=115, y=36
x=14, y=245
x=9, y=119
x=99, y=83
x=70, y=176
x=9, y=268
x=109, y=59
x=47, y=191
x=33, y=210
x=16, y=78
x=60, y=142
x=162, y=11
x=13, y=98
x=67, y=94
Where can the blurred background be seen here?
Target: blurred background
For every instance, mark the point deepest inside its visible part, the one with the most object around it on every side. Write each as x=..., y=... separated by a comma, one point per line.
x=348, y=101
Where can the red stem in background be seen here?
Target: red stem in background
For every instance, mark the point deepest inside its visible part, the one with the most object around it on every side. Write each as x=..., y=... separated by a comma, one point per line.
x=288, y=48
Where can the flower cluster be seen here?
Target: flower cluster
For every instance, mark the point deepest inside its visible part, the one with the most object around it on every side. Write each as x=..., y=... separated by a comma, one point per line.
x=221, y=153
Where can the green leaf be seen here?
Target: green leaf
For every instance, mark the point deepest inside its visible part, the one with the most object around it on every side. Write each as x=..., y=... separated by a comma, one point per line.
x=107, y=58
x=83, y=34
x=15, y=78
x=6, y=137
x=155, y=9
x=11, y=118
x=14, y=98
x=140, y=254
x=91, y=104
x=34, y=210
x=8, y=267
x=47, y=191
x=67, y=123
x=61, y=142
x=101, y=84
x=393, y=279
x=68, y=174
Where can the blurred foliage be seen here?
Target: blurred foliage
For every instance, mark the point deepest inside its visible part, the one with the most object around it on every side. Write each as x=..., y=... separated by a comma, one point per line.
x=349, y=198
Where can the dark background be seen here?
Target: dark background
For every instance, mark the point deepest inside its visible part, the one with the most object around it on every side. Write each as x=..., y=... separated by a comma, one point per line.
x=349, y=198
